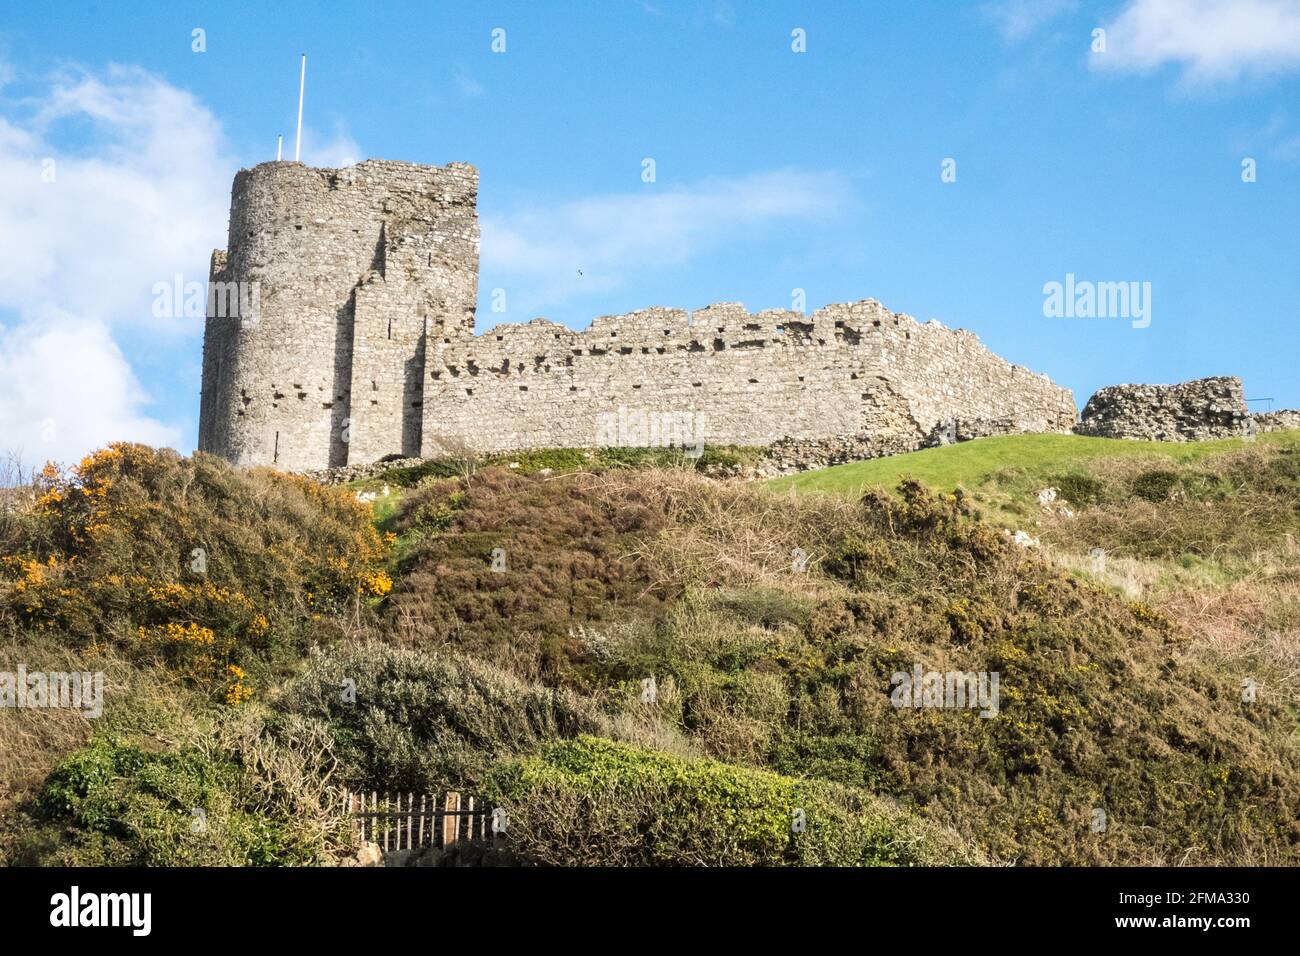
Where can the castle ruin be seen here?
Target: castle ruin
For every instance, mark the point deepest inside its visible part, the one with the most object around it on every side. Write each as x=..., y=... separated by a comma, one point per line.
x=361, y=345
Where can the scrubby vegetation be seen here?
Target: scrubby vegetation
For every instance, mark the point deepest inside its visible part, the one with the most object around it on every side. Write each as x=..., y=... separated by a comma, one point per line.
x=641, y=665
x=597, y=803
x=194, y=587
x=187, y=562
x=425, y=721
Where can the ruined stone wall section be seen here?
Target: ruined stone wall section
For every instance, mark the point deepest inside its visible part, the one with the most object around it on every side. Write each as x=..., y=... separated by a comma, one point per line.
x=278, y=384
x=755, y=378
x=1280, y=420
x=1202, y=409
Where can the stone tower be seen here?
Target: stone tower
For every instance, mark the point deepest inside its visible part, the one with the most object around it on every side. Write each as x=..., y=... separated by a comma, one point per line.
x=320, y=308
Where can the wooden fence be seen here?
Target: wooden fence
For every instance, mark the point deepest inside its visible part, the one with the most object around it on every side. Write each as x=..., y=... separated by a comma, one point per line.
x=410, y=821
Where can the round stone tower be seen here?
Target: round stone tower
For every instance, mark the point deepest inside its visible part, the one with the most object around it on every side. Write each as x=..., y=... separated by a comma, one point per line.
x=330, y=284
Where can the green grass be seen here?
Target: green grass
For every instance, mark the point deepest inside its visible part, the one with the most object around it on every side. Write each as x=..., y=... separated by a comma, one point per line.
x=974, y=463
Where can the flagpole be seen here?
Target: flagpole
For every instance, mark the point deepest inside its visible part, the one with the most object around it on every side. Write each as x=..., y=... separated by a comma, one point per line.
x=302, y=84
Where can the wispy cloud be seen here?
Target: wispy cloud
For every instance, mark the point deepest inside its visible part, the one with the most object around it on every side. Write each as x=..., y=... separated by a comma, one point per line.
x=332, y=151
x=109, y=183
x=1278, y=139
x=722, y=13
x=1020, y=19
x=549, y=255
x=467, y=85
x=1212, y=41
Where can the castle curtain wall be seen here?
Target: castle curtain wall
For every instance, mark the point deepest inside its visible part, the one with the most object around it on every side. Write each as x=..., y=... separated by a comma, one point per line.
x=361, y=345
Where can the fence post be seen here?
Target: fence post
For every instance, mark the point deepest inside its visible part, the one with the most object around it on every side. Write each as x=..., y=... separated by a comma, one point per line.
x=451, y=819
x=421, y=819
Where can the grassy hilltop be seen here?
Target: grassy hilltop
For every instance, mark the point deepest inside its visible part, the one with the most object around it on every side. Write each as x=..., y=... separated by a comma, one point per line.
x=769, y=618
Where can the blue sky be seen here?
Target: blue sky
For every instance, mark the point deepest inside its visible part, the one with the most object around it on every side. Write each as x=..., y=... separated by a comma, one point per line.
x=775, y=171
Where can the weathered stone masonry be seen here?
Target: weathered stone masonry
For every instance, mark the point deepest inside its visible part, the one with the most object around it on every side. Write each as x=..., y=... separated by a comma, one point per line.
x=845, y=370
x=1199, y=410
x=353, y=267
x=363, y=345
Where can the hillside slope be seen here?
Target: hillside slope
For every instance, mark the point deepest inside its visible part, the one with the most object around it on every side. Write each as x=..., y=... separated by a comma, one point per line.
x=606, y=651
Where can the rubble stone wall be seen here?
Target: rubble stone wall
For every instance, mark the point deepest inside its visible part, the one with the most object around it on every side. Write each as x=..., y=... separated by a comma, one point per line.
x=1189, y=411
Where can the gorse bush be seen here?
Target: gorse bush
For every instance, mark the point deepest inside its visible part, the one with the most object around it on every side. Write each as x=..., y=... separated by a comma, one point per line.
x=187, y=561
x=1079, y=488
x=599, y=803
x=1155, y=486
x=644, y=666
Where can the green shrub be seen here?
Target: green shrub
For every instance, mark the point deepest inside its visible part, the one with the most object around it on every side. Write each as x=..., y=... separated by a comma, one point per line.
x=1155, y=486
x=1080, y=489
x=556, y=459
x=399, y=719
x=232, y=796
x=595, y=802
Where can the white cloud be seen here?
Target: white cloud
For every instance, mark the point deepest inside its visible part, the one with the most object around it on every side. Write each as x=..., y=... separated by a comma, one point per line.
x=337, y=151
x=1211, y=40
x=147, y=199
x=537, y=252
x=109, y=184
x=66, y=388
x=1018, y=19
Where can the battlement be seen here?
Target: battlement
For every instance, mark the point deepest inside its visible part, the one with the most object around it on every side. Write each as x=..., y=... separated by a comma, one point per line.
x=363, y=345
x=717, y=327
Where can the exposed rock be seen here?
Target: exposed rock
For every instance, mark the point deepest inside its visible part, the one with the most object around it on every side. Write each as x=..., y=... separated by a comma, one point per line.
x=346, y=473
x=367, y=854
x=1024, y=539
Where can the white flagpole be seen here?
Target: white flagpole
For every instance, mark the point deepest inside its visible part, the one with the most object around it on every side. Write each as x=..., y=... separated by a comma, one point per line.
x=279, y=148
x=302, y=84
